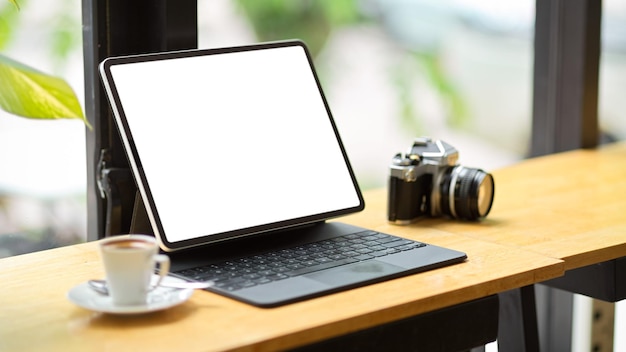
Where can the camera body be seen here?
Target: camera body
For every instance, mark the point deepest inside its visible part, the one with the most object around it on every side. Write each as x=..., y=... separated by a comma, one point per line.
x=428, y=181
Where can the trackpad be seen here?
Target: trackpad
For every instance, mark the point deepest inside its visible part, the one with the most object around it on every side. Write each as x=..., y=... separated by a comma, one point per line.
x=353, y=273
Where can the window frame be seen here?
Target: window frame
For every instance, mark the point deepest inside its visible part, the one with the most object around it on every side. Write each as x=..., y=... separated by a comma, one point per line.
x=113, y=28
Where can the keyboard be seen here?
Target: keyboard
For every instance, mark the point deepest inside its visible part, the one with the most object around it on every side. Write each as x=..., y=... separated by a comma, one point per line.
x=281, y=264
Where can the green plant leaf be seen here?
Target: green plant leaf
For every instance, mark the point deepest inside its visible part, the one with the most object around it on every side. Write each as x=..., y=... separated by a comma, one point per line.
x=26, y=92
x=17, y=6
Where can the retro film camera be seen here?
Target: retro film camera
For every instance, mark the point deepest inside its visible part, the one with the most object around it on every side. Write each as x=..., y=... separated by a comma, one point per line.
x=428, y=181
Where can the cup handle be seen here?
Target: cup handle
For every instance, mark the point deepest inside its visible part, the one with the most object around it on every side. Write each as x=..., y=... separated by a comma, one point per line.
x=164, y=268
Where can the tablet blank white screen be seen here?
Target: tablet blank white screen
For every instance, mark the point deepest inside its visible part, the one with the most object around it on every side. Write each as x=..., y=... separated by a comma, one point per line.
x=233, y=141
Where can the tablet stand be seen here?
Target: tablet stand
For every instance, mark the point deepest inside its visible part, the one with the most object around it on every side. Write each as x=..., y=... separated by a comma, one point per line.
x=125, y=210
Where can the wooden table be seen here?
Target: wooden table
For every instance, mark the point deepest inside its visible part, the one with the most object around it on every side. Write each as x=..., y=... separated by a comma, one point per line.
x=569, y=206
x=36, y=315
x=554, y=214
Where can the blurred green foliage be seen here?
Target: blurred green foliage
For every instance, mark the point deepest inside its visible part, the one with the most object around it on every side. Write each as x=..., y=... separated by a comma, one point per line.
x=312, y=21
x=27, y=92
x=8, y=20
x=308, y=20
x=457, y=113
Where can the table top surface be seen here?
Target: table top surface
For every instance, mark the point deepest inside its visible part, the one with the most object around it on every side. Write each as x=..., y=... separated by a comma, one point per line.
x=550, y=214
x=36, y=315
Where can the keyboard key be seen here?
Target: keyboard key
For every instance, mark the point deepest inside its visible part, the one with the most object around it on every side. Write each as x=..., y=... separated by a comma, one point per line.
x=319, y=267
x=396, y=243
x=262, y=281
x=387, y=239
x=276, y=277
x=379, y=253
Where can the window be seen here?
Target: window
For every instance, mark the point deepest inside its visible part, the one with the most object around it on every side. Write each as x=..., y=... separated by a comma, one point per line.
x=460, y=71
x=396, y=70
x=42, y=162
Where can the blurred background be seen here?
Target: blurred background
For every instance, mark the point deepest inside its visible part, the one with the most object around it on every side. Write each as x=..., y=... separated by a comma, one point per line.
x=457, y=70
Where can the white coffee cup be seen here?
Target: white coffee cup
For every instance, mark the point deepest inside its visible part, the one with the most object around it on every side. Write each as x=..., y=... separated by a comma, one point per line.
x=129, y=263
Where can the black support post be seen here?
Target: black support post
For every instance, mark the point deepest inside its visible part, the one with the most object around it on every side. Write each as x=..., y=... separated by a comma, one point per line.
x=517, y=326
x=565, y=117
x=565, y=92
x=112, y=28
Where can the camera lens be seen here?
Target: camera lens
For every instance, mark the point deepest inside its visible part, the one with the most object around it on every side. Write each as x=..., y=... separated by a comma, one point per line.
x=466, y=193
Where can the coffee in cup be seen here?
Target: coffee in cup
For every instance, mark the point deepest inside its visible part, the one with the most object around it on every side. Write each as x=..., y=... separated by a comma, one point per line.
x=129, y=263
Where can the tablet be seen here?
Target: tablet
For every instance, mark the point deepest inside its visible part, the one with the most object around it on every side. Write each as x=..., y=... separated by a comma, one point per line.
x=229, y=142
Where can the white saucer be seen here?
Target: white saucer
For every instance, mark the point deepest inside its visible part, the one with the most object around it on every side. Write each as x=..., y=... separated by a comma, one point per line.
x=160, y=298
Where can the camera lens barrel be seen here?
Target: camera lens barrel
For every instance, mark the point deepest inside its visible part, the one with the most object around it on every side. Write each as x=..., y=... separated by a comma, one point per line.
x=466, y=193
